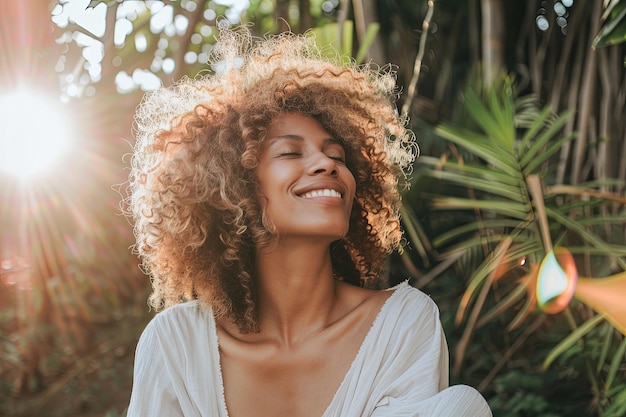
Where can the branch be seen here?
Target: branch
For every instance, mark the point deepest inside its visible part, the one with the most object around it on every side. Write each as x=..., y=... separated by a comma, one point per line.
x=418, y=59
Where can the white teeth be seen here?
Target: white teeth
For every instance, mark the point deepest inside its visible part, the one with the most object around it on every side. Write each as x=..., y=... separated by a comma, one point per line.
x=322, y=193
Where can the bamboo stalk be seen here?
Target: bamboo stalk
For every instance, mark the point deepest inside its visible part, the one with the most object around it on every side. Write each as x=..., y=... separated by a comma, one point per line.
x=572, y=101
x=492, y=35
x=586, y=99
x=341, y=19
x=359, y=19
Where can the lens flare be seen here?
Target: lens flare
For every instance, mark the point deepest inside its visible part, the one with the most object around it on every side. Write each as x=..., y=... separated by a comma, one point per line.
x=606, y=296
x=556, y=280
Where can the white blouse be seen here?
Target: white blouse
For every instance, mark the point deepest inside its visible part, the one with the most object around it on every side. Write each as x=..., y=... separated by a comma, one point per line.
x=401, y=368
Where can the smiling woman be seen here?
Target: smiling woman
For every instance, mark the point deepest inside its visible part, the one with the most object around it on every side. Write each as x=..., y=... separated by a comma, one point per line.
x=26, y=147
x=266, y=200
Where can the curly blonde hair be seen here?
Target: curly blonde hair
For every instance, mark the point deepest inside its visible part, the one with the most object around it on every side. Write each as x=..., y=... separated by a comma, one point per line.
x=193, y=195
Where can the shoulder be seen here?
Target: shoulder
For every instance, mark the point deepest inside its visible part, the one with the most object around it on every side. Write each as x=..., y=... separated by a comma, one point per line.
x=180, y=321
x=401, y=295
x=412, y=315
x=408, y=300
x=402, y=301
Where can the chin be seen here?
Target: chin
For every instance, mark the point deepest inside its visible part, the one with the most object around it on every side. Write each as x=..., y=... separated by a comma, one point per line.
x=330, y=233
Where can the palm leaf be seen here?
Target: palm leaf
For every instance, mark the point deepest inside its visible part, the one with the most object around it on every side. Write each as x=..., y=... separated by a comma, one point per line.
x=616, y=363
x=613, y=30
x=488, y=267
x=542, y=140
x=571, y=339
x=462, y=231
x=492, y=120
x=511, y=299
x=477, y=144
x=588, y=236
x=510, y=192
x=533, y=126
x=492, y=180
x=546, y=154
x=415, y=233
x=478, y=171
x=504, y=208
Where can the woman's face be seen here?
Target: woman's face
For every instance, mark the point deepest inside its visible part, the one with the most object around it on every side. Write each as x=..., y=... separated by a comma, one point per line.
x=305, y=187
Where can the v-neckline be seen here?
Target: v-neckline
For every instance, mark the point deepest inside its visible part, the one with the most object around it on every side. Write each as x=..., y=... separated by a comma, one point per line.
x=357, y=357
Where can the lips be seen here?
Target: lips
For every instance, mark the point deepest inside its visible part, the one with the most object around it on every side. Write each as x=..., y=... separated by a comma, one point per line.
x=322, y=189
x=326, y=192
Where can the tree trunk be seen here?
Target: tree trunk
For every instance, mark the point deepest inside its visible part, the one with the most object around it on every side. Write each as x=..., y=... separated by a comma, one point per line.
x=281, y=15
x=306, y=20
x=376, y=51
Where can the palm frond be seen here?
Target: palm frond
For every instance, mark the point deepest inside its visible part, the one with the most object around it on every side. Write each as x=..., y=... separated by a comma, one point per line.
x=479, y=145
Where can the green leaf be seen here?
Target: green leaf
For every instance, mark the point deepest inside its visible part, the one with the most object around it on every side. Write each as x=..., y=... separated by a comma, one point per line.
x=538, y=144
x=603, y=220
x=491, y=262
x=480, y=171
x=503, y=208
x=462, y=231
x=539, y=122
x=514, y=193
x=414, y=230
x=546, y=154
x=474, y=242
x=615, y=365
x=327, y=38
x=613, y=30
x=370, y=35
x=487, y=119
x=503, y=305
x=586, y=235
x=609, y=330
x=477, y=144
x=617, y=408
x=572, y=338
x=504, y=114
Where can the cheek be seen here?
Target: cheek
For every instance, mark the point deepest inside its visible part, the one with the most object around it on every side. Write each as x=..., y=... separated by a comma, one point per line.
x=350, y=182
x=270, y=181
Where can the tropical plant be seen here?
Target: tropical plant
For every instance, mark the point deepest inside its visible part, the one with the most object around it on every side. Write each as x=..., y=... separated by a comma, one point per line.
x=613, y=29
x=497, y=177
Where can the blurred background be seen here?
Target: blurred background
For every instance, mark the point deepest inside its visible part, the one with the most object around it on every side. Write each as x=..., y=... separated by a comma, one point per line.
x=515, y=219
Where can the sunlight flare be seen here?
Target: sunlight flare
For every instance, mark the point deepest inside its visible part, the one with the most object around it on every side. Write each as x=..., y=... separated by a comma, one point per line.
x=34, y=133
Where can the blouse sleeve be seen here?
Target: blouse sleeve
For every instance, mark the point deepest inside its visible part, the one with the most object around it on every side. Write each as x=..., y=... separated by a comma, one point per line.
x=153, y=392
x=420, y=382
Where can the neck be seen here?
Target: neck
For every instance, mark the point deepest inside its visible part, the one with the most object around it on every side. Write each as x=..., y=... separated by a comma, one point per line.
x=296, y=289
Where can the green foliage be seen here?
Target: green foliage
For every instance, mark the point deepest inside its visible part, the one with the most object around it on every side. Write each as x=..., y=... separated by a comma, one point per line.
x=327, y=37
x=618, y=407
x=613, y=29
x=518, y=395
x=495, y=180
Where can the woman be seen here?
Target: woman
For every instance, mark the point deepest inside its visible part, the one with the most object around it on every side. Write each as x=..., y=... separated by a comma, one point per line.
x=265, y=199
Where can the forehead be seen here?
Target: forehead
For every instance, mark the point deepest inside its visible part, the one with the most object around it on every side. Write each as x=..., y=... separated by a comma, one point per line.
x=295, y=122
x=298, y=127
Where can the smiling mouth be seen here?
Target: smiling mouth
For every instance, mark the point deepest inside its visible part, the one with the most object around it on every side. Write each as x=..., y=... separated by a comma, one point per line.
x=327, y=192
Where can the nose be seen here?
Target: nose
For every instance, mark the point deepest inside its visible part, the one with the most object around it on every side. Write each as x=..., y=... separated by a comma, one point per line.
x=323, y=164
